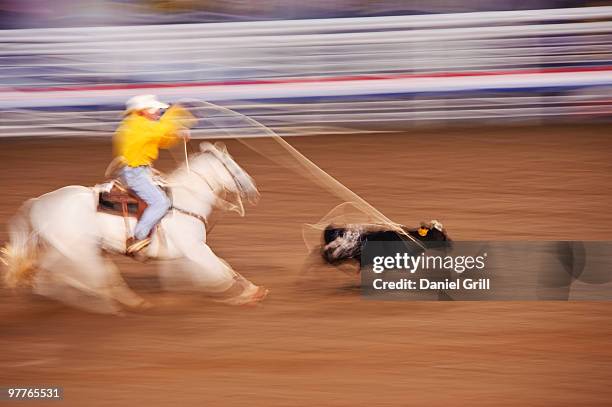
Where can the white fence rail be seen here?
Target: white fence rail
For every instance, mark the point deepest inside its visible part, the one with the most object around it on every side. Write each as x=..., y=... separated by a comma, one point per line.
x=315, y=75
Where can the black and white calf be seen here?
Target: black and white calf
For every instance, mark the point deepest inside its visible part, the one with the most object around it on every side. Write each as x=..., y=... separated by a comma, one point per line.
x=343, y=243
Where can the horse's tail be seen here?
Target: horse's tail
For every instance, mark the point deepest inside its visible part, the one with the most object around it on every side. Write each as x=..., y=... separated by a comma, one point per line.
x=19, y=254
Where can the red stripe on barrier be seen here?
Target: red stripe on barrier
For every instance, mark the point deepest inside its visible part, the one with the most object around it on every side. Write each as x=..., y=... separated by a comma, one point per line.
x=309, y=79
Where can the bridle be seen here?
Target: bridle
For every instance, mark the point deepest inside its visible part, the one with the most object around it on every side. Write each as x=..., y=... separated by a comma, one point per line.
x=217, y=190
x=214, y=190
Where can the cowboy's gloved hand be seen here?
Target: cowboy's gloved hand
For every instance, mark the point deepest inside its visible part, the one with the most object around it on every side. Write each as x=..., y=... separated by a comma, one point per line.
x=185, y=134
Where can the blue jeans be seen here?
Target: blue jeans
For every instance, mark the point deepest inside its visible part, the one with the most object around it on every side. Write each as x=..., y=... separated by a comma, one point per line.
x=139, y=180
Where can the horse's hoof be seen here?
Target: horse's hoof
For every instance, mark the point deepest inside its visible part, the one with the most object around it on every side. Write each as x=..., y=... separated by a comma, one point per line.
x=261, y=294
x=143, y=305
x=258, y=296
x=251, y=296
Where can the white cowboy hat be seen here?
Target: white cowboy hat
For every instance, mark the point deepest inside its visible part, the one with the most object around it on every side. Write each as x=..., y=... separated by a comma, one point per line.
x=144, y=102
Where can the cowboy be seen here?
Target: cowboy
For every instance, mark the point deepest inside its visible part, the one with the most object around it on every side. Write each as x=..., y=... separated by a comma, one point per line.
x=141, y=134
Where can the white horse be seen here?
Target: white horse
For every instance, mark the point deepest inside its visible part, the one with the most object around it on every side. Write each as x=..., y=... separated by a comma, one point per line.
x=61, y=238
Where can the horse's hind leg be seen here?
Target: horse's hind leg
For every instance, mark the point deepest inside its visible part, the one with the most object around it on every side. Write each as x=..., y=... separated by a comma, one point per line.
x=48, y=282
x=120, y=291
x=79, y=280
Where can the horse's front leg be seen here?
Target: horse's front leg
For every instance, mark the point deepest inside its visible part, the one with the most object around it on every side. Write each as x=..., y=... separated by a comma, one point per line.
x=239, y=290
x=198, y=267
x=202, y=270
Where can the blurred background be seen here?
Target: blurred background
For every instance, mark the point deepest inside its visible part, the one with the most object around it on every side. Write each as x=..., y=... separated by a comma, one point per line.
x=67, y=67
x=491, y=116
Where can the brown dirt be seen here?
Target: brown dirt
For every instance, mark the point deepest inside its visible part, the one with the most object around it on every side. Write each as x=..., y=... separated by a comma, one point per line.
x=315, y=341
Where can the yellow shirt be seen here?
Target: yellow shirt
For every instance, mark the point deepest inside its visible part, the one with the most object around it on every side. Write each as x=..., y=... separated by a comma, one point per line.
x=139, y=139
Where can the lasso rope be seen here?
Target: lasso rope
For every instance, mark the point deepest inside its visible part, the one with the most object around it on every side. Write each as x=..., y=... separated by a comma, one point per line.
x=321, y=177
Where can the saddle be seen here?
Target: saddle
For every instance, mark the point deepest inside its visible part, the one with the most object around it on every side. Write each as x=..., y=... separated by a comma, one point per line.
x=117, y=199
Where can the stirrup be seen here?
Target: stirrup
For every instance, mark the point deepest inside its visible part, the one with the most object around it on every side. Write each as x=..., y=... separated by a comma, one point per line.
x=133, y=245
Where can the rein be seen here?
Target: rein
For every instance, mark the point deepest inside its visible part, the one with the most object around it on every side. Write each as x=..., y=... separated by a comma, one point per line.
x=215, y=191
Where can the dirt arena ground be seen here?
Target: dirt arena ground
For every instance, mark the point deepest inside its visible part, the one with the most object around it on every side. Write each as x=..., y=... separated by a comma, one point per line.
x=317, y=342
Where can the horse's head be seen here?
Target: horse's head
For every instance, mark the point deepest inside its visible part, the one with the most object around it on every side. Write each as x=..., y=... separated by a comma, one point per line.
x=217, y=167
